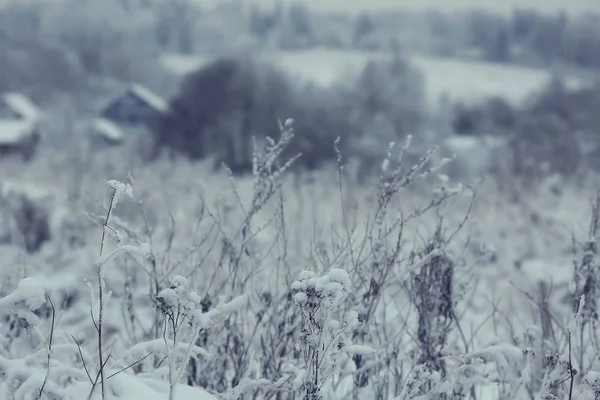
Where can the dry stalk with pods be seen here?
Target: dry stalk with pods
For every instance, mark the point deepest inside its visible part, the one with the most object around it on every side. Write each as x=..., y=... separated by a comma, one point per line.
x=268, y=173
x=158, y=267
x=277, y=321
x=118, y=191
x=383, y=256
x=240, y=261
x=430, y=288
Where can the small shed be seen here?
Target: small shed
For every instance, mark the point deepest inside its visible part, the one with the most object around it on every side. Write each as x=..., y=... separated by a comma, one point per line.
x=136, y=106
x=19, y=130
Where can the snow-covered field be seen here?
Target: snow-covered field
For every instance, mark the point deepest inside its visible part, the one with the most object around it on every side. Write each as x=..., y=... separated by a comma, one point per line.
x=460, y=80
x=208, y=279
x=189, y=221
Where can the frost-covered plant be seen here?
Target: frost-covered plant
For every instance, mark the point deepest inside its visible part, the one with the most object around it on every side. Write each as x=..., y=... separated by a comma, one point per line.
x=431, y=290
x=259, y=249
x=500, y=363
x=182, y=308
x=557, y=372
x=265, y=169
x=177, y=304
x=546, y=365
x=585, y=285
x=27, y=298
x=118, y=190
x=325, y=341
x=238, y=261
x=590, y=387
x=24, y=377
x=278, y=321
x=586, y=270
x=384, y=257
x=185, y=319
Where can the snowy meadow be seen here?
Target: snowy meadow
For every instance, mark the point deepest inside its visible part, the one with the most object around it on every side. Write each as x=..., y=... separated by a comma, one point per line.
x=174, y=281
x=423, y=226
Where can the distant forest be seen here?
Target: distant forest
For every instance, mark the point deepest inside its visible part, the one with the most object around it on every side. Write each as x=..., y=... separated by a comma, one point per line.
x=106, y=36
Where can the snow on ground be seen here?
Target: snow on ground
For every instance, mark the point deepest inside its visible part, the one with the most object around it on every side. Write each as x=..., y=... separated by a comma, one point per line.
x=460, y=80
x=541, y=243
x=128, y=387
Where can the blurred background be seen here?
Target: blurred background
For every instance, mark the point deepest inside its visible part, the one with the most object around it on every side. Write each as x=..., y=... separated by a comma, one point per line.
x=510, y=88
x=177, y=90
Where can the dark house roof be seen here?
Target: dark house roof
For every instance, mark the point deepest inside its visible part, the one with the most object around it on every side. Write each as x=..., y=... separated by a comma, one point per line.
x=135, y=106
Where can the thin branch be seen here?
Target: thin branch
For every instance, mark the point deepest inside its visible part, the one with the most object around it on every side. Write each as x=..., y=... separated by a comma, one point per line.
x=83, y=360
x=130, y=365
x=49, y=348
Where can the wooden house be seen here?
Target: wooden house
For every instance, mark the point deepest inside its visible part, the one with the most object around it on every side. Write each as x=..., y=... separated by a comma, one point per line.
x=137, y=106
x=127, y=117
